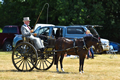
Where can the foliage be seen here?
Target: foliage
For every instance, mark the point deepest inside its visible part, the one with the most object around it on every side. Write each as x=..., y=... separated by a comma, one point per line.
x=66, y=12
x=0, y=30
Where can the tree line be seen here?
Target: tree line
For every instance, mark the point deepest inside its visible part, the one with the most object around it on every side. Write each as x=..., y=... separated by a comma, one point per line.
x=66, y=12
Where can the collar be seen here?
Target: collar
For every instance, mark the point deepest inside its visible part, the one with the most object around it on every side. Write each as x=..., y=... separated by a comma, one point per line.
x=84, y=46
x=25, y=25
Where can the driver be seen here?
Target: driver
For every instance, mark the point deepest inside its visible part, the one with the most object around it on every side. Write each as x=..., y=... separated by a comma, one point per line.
x=27, y=32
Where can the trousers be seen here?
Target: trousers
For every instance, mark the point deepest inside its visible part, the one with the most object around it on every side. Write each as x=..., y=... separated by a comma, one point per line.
x=37, y=41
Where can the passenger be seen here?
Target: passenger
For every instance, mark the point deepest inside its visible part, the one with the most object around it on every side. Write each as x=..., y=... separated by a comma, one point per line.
x=88, y=33
x=27, y=32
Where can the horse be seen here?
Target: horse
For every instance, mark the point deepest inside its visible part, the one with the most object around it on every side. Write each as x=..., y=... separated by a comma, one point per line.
x=78, y=47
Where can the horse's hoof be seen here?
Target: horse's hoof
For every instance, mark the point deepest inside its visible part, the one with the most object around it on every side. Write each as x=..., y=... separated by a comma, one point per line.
x=62, y=70
x=80, y=72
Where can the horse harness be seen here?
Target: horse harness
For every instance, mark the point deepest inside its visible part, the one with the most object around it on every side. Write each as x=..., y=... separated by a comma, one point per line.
x=75, y=47
x=84, y=46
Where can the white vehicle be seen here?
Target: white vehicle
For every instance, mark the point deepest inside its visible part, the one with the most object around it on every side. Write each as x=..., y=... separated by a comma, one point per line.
x=42, y=25
x=105, y=44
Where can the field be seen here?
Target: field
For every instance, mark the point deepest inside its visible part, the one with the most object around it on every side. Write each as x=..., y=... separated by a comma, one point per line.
x=102, y=67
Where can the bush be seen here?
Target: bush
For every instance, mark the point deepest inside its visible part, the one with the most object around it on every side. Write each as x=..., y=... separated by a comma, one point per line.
x=0, y=30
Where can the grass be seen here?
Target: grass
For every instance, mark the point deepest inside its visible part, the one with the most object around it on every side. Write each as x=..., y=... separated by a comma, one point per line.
x=102, y=67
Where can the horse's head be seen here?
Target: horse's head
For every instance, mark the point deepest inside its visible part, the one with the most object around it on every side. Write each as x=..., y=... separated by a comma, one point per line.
x=98, y=47
x=90, y=40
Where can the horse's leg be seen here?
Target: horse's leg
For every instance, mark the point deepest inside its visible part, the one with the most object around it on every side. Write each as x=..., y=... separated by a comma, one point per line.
x=61, y=59
x=57, y=58
x=82, y=64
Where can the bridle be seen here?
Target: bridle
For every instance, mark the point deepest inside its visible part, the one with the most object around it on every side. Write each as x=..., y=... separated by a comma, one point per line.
x=85, y=46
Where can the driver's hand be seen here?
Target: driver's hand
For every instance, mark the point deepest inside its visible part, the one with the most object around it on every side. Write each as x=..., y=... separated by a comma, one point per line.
x=35, y=34
x=31, y=30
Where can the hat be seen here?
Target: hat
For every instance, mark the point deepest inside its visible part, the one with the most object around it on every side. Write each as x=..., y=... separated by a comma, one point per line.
x=26, y=19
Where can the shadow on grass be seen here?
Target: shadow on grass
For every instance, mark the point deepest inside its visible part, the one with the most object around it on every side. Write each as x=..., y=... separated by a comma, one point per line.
x=9, y=71
x=55, y=72
x=40, y=71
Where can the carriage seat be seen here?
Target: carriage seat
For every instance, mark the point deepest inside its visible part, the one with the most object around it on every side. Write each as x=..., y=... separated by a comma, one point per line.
x=25, y=39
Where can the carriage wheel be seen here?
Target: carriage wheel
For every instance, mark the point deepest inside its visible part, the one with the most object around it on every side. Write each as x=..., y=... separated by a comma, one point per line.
x=24, y=57
x=45, y=59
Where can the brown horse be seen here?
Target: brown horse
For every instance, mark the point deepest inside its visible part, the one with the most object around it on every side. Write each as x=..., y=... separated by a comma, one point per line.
x=78, y=47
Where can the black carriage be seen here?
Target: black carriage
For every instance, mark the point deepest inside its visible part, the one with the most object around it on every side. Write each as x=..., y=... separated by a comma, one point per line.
x=25, y=57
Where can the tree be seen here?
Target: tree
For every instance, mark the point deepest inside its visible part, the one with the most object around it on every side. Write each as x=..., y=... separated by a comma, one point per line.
x=66, y=12
x=111, y=20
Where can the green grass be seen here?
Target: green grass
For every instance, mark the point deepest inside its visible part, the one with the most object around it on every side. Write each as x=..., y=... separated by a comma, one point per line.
x=102, y=67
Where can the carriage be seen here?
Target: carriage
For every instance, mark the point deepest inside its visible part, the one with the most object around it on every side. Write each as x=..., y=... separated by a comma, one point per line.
x=25, y=57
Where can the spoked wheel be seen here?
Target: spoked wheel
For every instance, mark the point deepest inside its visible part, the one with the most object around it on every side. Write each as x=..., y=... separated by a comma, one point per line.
x=45, y=59
x=24, y=57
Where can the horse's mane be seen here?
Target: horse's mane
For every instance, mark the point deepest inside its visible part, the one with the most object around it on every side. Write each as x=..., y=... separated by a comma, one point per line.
x=92, y=37
x=79, y=39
